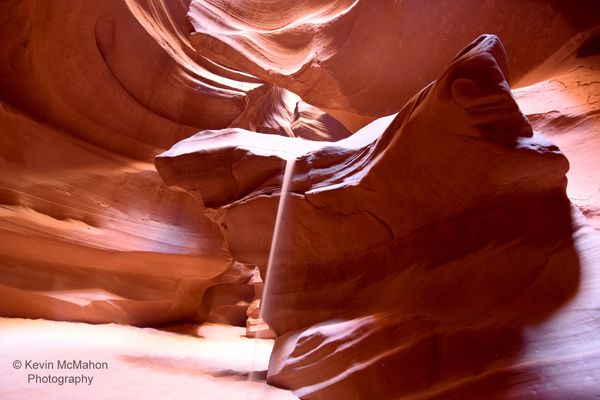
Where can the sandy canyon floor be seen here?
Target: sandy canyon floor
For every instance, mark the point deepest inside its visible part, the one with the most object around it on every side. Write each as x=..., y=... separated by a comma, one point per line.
x=202, y=362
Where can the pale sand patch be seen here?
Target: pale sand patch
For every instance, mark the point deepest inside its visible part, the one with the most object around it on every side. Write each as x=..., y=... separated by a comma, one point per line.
x=143, y=363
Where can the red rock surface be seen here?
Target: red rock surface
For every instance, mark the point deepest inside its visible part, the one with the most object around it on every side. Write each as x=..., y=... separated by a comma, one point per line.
x=364, y=59
x=88, y=231
x=439, y=252
x=417, y=256
x=567, y=109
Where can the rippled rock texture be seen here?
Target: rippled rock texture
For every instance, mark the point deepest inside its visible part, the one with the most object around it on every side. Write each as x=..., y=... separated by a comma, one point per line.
x=437, y=236
x=89, y=232
x=362, y=60
x=416, y=253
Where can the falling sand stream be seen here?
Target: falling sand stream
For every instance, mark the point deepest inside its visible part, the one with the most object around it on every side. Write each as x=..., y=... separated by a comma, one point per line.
x=272, y=261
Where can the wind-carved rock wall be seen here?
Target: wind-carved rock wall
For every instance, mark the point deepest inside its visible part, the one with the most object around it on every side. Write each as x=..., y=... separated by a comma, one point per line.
x=91, y=92
x=360, y=60
x=429, y=253
x=413, y=254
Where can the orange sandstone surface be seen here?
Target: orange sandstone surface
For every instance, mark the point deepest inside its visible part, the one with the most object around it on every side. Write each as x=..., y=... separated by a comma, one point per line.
x=439, y=237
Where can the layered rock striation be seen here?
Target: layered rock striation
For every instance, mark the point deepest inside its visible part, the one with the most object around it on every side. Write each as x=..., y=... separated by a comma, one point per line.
x=415, y=256
x=361, y=60
x=91, y=92
x=428, y=246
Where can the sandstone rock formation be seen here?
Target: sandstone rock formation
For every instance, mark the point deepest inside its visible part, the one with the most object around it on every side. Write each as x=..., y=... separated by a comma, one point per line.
x=393, y=274
x=567, y=109
x=256, y=327
x=431, y=253
x=88, y=231
x=350, y=185
x=362, y=59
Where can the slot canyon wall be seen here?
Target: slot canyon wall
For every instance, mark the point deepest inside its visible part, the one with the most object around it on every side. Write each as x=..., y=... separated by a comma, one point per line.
x=439, y=237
